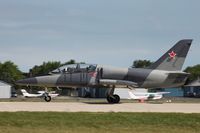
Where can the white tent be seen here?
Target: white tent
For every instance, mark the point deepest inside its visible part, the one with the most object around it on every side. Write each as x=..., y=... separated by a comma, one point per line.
x=5, y=90
x=195, y=83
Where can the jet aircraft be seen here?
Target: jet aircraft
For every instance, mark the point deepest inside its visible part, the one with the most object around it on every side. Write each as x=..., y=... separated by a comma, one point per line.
x=164, y=73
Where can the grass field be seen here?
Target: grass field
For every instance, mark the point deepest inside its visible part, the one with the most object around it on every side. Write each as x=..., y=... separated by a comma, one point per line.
x=32, y=122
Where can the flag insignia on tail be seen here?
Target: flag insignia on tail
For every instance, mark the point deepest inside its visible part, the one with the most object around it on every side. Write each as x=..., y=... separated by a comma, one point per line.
x=172, y=55
x=93, y=74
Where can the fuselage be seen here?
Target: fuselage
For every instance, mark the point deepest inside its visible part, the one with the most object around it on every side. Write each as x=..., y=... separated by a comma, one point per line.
x=142, y=78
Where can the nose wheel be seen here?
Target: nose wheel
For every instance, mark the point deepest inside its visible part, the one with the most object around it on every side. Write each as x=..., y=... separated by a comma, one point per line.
x=47, y=98
x=113, y=99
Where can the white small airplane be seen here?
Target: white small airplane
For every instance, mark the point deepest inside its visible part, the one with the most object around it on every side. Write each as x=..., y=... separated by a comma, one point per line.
x=40, y=94
x=146, y=96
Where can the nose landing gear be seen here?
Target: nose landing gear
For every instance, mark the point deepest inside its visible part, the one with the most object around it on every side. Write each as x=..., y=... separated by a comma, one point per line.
x=47, y=98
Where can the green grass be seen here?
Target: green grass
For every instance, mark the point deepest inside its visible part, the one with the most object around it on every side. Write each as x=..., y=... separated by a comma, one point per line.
x=41, y=122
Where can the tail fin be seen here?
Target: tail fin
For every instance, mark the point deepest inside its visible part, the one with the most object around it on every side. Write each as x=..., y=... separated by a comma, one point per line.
x=132, y=96
x=173, y=59
x=24, y=92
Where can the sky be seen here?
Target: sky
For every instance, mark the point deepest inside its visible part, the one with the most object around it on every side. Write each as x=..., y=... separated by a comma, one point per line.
x=110, y=32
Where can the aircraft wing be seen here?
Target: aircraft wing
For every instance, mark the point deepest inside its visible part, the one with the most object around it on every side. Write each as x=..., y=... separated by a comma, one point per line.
x=162, y=93
x=118, y=82
x=178, y=73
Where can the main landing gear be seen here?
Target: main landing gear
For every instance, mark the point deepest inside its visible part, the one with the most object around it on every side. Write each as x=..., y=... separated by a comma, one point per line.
x=112, y=98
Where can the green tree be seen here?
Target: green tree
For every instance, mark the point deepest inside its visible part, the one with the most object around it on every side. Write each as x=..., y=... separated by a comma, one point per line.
x=194, y=72
x=44, y=69
x=69, y=62
x=9, y=72
x=47, y=67
x=141, y=63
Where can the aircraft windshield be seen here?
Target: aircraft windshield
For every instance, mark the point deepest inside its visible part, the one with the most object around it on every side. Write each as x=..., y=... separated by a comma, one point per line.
x=75, y=68
x=88, y=67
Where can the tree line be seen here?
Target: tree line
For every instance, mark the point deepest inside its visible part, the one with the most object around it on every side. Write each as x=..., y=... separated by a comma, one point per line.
x=9, y=72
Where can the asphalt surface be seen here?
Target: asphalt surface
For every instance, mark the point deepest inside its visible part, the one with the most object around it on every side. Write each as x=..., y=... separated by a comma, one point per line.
x=98, y=107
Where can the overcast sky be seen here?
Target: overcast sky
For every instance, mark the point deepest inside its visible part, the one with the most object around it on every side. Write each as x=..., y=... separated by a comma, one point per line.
x=111, y=32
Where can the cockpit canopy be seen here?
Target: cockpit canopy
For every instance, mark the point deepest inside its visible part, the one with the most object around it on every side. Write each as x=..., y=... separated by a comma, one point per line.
x=75, y=68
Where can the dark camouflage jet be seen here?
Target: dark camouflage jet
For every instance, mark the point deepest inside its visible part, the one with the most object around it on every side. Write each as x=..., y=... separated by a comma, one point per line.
x=164, y=73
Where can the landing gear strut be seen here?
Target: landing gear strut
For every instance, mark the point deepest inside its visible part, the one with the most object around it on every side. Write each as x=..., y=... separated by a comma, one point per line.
x=112, y=98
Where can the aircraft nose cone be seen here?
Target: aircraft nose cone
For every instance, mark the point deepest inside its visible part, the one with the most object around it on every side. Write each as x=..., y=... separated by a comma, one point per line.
x=28, y=81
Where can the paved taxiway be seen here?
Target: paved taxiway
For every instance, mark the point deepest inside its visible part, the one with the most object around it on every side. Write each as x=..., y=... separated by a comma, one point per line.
x=99, y=107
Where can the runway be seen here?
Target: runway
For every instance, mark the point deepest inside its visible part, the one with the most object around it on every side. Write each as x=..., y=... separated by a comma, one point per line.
x=100, y=107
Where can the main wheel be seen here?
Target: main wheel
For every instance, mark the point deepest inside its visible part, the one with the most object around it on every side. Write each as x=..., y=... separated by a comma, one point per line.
x=113, y=99
x=47, y=98
x=117, y=99
x=110, y=99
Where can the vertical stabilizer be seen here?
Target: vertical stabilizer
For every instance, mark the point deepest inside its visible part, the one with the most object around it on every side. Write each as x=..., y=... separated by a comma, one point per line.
x=132, y=96
x=174, y=58
x=25, y=93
